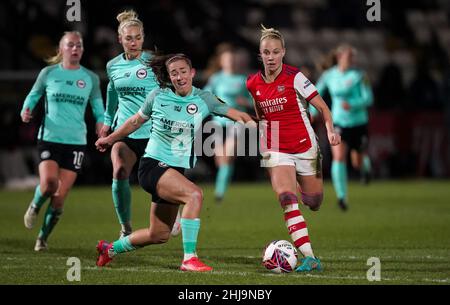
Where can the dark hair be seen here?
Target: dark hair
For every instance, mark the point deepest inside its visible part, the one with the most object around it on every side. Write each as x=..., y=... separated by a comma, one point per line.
x=159, y=63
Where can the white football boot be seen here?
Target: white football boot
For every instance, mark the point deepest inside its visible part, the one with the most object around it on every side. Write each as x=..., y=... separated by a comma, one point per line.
x=30, y=216
x=41, y=245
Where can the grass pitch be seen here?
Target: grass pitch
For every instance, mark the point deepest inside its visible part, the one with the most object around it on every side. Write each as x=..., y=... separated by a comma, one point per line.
x=406, y=224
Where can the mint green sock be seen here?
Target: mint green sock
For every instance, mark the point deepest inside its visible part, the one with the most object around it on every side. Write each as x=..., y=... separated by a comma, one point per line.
x=223, y=177
x=123, y=245
x=339, y=178
x=38, y=199
x=189, y=231
x=121, y=195
x=51, y=218
x=366, y=164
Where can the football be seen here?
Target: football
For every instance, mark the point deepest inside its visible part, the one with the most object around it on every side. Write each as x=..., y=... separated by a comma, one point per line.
x=280, y=256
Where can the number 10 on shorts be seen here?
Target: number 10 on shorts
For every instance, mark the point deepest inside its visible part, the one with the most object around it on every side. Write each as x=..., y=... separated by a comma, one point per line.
x=78, y=159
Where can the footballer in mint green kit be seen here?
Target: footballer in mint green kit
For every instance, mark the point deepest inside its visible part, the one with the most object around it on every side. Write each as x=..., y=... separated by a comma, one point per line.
x=230, y=86
x=130, y=80
x=175, y=121
x=177, y=110
x=351, y=96
x=67, y=88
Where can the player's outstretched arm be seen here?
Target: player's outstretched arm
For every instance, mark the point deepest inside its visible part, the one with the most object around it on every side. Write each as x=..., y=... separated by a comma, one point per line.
x=333, y=137
x=239, y=116
x=130, y=125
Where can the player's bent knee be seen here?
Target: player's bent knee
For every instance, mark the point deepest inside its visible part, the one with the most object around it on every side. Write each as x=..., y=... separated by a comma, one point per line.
x=120, y=172
x=196, y=196
x=312, y=200
x=159, y=237
x=49, y=187
x=287, y=198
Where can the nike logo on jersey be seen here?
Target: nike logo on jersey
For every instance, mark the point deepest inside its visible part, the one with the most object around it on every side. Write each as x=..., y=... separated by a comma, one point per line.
x=164, y=105
x=258, y=93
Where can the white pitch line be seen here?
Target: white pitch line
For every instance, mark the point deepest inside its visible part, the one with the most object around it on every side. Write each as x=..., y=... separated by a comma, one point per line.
x=245, y=274
x=296, y=275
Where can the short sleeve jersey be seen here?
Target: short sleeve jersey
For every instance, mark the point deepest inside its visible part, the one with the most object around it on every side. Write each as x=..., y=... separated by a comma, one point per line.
x=284, y=106
x=229, y=88
x=129, y=83
x=67, y=93
x=175, y=120
x=351, y=86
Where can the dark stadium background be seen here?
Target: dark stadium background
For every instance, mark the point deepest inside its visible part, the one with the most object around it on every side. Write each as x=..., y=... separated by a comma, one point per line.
x=406, y=55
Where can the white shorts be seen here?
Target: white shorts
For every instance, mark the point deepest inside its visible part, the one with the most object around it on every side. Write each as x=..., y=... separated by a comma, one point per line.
x=308, y=163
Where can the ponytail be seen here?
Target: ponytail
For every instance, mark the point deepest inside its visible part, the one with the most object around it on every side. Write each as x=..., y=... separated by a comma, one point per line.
x=331, y=59
x=271, y=33
x=327, y=61
x=129, y=18
x=159, y=64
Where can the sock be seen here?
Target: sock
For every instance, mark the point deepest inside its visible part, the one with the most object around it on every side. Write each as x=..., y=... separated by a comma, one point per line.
x=38, y=199
x=121, y=194
x=126, y=227
x=223, y=177
x=121, y=246
x=296, y=223
x=189, y=231
x=51, y=218
x=339, y=178
x=366, y=165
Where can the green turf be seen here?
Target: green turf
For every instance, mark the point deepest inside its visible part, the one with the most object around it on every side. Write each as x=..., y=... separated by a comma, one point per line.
x=406, y=224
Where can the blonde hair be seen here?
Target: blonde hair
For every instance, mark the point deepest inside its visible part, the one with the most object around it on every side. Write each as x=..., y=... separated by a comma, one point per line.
x=272, y=34
x=56, y=59
x=331, y=59
x=129, y=18
x=345, y=47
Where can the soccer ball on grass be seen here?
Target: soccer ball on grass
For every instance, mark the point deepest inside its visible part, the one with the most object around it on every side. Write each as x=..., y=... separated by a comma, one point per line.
x=280, y=256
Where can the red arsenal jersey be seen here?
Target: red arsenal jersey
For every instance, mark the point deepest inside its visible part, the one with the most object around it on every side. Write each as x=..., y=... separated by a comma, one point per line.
x=284, y=106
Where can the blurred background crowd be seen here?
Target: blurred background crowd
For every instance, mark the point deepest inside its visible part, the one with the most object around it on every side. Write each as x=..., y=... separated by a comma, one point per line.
x=406, y=56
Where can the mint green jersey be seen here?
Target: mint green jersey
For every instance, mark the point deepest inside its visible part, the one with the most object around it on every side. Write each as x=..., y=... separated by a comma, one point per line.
x=175, y=121
x=351, y=86
x=67, y=93
x=129, y=83
x=228, y=87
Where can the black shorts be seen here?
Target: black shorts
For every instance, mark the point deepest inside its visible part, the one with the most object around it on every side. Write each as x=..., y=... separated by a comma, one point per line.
x=67, y=156
x=136, y=145
x=150, y=171
x=355, y=137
